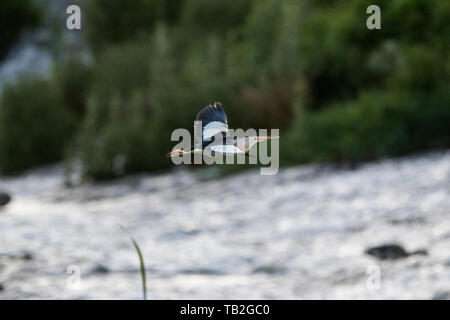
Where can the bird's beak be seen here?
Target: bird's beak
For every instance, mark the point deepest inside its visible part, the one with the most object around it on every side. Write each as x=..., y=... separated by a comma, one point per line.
x=266, y=138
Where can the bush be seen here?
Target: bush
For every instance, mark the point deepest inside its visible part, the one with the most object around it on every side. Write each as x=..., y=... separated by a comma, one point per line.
x=115, y=21
x=342, y=58
x=121, y=70
x=378, y=124
x=34, y=126
x=217, y=16
x=134, y=105
x=72, y=79
x=15, y=16
x=361, y=94
x=121, y=143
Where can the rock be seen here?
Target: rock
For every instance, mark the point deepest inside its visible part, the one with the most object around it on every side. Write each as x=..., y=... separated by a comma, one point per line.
x=269, y=269
x=27, y=256
x=100, y=269
x=441, y=295
x=2, y=287
x=421, y=252
x=21, y=255
x=388, y=252
x=409, y=220
x=392, y=252
x=202, y=271
x=4, y=199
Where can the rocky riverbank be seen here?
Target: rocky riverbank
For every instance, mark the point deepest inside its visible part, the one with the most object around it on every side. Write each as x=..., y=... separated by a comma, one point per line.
x=303, y=233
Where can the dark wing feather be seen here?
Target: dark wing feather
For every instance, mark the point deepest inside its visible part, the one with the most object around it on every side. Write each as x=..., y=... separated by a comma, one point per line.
x=212, y=113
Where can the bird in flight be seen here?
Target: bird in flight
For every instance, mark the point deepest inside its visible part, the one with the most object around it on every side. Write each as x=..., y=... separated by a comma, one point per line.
x=214, y=126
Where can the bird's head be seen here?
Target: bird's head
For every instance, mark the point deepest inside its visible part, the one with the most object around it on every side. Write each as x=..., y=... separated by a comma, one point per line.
x=245, y=143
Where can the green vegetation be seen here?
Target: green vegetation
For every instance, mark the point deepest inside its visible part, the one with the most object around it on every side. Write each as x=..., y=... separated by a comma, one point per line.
x=72, y=79
x=376, y=125
x=338, y=91
x=34, y=127
x=141, y=263
x=110, y=22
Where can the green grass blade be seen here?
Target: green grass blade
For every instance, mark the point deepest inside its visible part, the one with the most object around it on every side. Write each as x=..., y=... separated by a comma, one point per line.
x=141, y=262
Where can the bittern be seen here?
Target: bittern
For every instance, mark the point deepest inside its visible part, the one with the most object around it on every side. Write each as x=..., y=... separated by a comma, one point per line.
x=215, y=128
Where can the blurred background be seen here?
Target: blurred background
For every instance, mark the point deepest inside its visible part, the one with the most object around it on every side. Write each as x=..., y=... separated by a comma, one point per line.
x=360, y=208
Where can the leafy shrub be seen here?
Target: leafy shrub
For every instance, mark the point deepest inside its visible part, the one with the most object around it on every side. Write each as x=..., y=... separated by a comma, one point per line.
x=115, y=21
x=134, y=105
x=377, y=124
x=72, y=79
x=34, y=126
x=214, y=16
x=121, y=70
x=118, y=144
x=419, y=70
x=348, y=93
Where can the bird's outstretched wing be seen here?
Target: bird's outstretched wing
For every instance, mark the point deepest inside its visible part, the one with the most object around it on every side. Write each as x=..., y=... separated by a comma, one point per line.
x=214, y=121
x=212, y=113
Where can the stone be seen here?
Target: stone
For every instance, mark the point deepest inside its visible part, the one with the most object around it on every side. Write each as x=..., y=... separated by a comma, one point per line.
x=388, y=252
x=4, y=199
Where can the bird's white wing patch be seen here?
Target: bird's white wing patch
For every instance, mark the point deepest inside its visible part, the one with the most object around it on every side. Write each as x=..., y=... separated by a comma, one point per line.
x=226, y=149
x=213, y=128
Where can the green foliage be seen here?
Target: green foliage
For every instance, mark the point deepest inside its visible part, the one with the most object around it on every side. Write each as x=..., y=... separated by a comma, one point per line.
x=121, y=70
x=16, y=16
x=338, y=91
x=72, y=79
x=376, y=125
x=119, y=140
x=341, y=57
x=354, y=94
x=214, y=16
x=115, y=21
x=134, y=105
x=34, y=126
x=141, y=263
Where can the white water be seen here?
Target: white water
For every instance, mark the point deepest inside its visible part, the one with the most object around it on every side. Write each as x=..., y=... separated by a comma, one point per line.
x=296, y=235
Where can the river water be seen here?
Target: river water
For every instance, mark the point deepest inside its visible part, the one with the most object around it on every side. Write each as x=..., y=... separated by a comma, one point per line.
x=300, y=234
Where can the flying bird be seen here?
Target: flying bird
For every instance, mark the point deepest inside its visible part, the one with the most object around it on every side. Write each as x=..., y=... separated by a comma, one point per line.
x=214, y=126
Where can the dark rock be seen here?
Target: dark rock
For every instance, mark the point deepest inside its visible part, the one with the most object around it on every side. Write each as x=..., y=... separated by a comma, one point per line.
x=27, y=256
x=441, y=295
x=2, y=287
x=202, y=271
x=392, y=252
x=269, y=269
x=409, y=220
x=421, y=252
x=100, y=269
x=388, y=252
x=21, y=255
x=4, y=199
